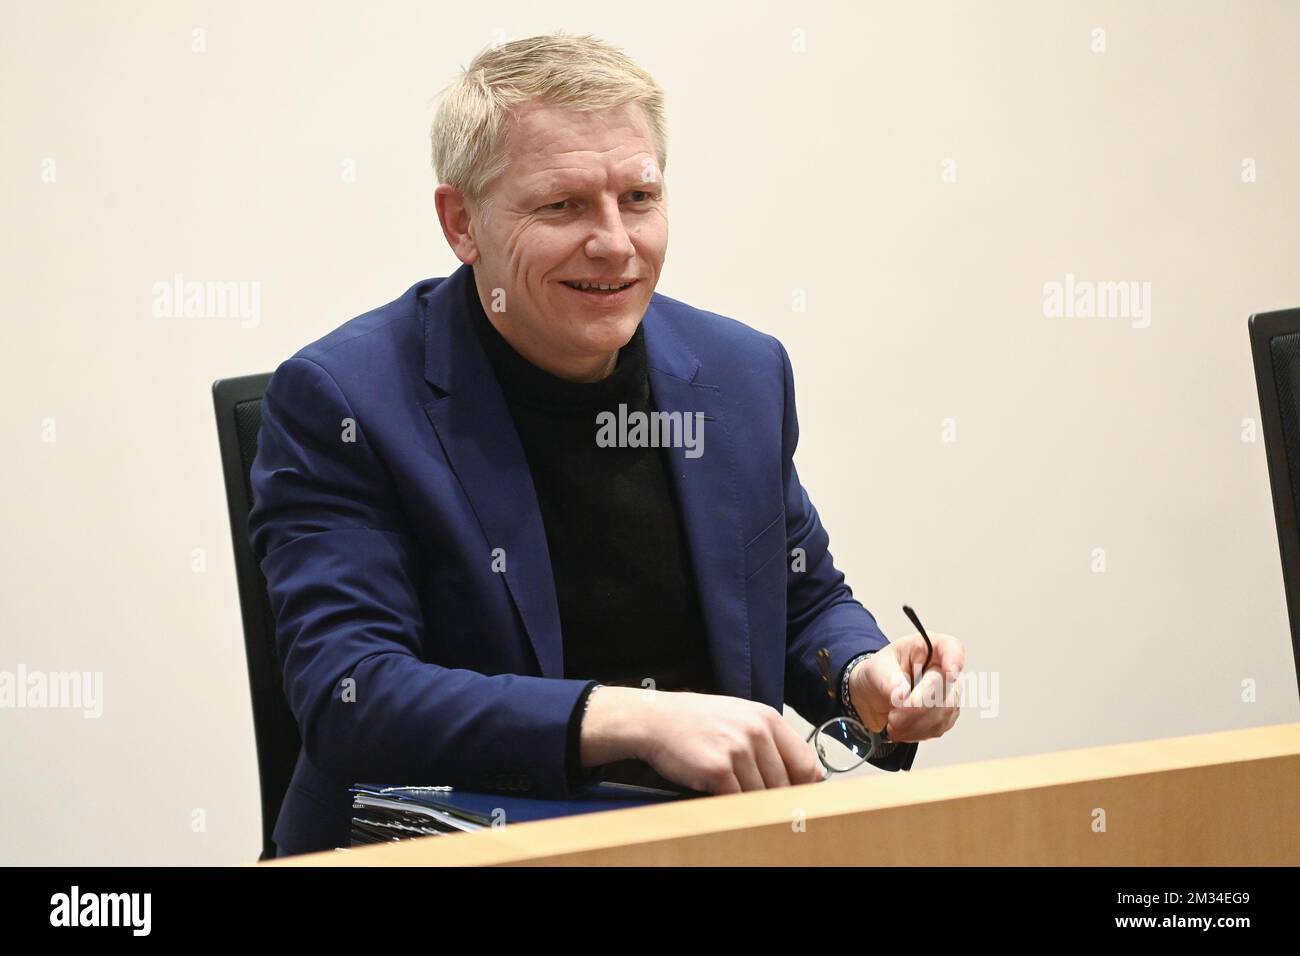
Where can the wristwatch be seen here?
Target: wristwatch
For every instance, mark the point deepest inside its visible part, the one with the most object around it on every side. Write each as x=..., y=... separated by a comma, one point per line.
x=846, y=702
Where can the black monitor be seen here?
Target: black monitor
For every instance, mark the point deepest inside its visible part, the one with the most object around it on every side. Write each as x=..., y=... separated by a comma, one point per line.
x=1275, y=344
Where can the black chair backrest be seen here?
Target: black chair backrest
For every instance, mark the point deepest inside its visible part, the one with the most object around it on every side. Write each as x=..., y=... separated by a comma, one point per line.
x=238, y=404
x=1275, y=343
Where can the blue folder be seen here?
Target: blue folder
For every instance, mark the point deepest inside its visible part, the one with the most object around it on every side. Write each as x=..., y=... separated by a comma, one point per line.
x=481, y=807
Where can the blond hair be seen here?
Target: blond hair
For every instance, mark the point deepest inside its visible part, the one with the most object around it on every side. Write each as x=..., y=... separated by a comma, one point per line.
x=471, y=127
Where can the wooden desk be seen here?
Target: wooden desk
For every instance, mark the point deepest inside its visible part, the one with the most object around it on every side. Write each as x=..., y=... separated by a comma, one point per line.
x=1228, y=798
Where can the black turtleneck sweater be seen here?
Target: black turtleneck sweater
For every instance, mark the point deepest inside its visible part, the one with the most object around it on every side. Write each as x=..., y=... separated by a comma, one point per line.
x=629, y=611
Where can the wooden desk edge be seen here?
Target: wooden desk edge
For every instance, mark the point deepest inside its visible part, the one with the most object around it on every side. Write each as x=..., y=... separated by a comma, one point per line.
x=522, y=842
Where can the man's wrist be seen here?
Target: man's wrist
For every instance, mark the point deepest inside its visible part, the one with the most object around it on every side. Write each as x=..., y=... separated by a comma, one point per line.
x=886, y=747
x=577, y=773
x=610, y=729
x=846, y=686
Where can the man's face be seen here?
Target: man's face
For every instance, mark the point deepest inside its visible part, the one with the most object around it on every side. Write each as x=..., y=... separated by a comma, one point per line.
x=582, y=199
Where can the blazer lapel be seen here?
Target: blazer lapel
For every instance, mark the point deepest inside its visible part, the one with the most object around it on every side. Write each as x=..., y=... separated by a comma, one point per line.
x=478, y=436
x=710, y=505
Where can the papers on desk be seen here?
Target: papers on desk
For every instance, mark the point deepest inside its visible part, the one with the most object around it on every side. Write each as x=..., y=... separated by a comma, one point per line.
x=381, y=814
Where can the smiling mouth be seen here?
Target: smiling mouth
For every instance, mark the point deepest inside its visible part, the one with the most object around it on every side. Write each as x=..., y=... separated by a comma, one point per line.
x=599, y=288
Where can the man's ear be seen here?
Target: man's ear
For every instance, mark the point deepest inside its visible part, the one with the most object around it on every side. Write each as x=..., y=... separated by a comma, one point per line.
x=458, y=220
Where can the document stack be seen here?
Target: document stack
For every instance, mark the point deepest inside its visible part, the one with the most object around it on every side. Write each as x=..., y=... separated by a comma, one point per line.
x=382, y=814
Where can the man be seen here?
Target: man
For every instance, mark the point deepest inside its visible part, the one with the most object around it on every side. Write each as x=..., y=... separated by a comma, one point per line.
x=478, y=584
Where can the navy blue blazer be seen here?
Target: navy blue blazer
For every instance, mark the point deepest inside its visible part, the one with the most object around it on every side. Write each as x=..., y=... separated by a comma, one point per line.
x=387, y=473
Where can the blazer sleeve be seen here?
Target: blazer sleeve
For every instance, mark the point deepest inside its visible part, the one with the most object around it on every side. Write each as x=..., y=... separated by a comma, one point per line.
x=341, y=568
x=821, y=611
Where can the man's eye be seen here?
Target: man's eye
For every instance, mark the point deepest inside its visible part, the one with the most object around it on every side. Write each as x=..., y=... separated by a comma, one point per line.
x=647, y=196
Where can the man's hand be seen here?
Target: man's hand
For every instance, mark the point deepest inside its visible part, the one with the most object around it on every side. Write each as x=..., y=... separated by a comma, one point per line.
x=880, y=688
x=708, y=742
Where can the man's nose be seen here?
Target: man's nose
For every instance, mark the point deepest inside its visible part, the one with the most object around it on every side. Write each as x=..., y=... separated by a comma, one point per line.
x=609, y=236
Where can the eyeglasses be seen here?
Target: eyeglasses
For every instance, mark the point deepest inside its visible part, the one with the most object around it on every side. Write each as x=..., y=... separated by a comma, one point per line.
x=842, y=743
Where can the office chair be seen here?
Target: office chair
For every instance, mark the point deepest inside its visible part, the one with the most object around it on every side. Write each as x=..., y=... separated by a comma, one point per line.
x=238, y=404
x=1275, y=344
